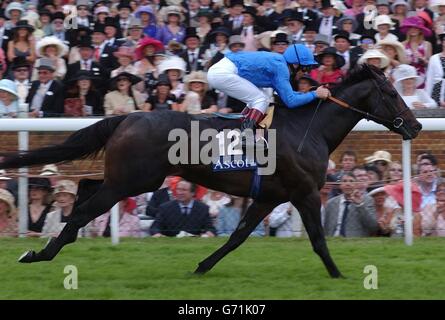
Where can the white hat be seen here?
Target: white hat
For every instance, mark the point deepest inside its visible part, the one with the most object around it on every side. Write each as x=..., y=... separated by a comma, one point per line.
x=62, y=49
x=67, y=186
x=49, y=170
x=405, y=71
x=374, y=53
x=400, y=2
x=3, y=175
x=172, y=63
x=382, y=19
x=376, y=190
x=379, y=155
x=436, y=4
x=397, y=45
x=13, y=6
x=165, y=11
x=8, y=198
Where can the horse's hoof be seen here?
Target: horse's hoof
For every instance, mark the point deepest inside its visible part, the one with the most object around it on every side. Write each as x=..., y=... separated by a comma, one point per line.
x=28, y=257
x=200, y=271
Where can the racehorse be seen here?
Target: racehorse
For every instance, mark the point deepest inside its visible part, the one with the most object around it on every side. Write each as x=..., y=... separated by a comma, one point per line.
x=136, y=160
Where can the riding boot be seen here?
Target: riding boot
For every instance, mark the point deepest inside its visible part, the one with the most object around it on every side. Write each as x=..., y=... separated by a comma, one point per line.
x=251, y=120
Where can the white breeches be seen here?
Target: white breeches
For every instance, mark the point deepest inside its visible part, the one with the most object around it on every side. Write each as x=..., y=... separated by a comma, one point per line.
x=223, y=76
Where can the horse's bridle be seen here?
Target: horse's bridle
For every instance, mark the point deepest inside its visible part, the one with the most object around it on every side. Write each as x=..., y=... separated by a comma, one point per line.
x=397, y=122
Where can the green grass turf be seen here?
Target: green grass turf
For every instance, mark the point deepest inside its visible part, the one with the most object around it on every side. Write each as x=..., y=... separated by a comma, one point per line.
x=260, y=269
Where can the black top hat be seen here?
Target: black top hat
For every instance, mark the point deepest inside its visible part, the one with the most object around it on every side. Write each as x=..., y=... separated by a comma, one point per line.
x=250, y=10
x=293, y=15
x=85, y=42
x=99, y=27
x=326, y=4
x=205, y=13
x=236, y=2
x=342, y=34
x=58, y=15
x=45, y=12
x=163, y=80
x=83, y=75
x=112, y=22
x=311, y=27
x=23, y=24
x=190, y=32
x=43, y=183
x=131, y=77
x=280, y=38
x=124, y=4
x=20, y=62
x=219, y=29
x=339, y=60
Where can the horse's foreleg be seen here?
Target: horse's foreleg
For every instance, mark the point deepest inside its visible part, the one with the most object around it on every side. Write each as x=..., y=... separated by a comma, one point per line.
x=255, y=213
x=89, y=208
x=309, y=208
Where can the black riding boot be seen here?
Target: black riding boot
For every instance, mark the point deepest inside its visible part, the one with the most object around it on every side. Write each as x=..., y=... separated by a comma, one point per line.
x=253, y=117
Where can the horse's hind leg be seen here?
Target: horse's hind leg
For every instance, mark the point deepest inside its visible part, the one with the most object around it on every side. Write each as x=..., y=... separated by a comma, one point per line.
x=255, y=213
x=89, y=207
x=309, y=209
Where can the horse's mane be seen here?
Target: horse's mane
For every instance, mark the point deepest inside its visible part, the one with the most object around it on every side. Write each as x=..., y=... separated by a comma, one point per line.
x=359, y=73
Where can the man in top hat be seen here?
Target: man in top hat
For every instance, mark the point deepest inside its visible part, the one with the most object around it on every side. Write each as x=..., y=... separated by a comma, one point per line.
x=21, y=70
x=233, y=21
x=46, y=95
x=124, y=16
x=249, y=29
x=294, y=22
x=58, y=27
x=193, y=54
x=280, y=42
x=326, y=24
x=113, y=33
x=103, y=53
x=309, y=15
x=135, y=32
x=87, y=62
x=343, y=45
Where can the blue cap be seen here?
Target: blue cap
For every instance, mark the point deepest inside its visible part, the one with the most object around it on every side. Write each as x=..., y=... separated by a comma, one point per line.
x=299, y=54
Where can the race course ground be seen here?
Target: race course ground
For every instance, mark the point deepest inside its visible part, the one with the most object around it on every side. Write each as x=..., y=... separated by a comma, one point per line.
x=265, y=268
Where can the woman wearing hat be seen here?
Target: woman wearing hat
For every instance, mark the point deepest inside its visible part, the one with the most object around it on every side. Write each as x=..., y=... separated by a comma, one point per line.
x=13, y=13
x=8, y=99
x=329, y=72
x=65, y=195
x=52, y=48
x=383, y=24
x=162, y=99
x=374, y=57
x=145, y=65
x=22, y=43
x=406, y=82
x=148, y=20
x=123, y=99
x=8, y=215
x=175, y=68
x=435, y=75
x=218, y=42
x=39, y=204
x=204, y=27
x=438, y=7
x=81, y=87
x=395, y=51
x=418, y=50
x=196, y=83
x=349, y=24
x=173, y=29
x=400, y=9
x=125, y=56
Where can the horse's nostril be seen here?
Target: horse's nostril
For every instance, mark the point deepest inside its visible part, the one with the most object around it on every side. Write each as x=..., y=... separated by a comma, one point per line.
x=418, y=127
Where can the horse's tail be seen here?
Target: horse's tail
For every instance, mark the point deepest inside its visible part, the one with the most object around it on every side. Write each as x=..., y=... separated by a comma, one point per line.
x=82, y=144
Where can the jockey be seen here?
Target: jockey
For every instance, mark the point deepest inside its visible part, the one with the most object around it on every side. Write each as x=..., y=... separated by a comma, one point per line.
x=241, y=74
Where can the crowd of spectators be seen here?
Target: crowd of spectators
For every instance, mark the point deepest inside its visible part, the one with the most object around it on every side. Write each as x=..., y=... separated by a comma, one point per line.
x=58, y=56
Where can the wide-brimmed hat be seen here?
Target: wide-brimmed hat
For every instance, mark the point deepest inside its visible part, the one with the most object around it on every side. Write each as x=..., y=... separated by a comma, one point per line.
x=172, y=63
x=321, y=38
x=376, y=191
x=396, y=191
x=374, y=53
x=166, y=11
x=380, y=155
x=66, y=186
x=3, y=175
x=436, y=4
x=383, y=19
x=415, y=22
x=400, y=3
x=9, y=86
x=405, y=71
x=45, y=63
x=23, y=24
x=340, y=22
x=42, y=183
x=147, y=41
x=62, y=49
x=8, y=198
x=135, y=23
x=50, y=169
x=131, y=77
x=398, y=46
x=339, y=60
x=236, y=39
x=124, y=51
x=148, y=10
x=13, y=6
x=195, y=76
x=219, y=30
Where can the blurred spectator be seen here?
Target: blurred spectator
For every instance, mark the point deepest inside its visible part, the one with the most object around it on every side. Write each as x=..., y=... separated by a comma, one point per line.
x=196, y=85
x=162, y=99
x=58, y=27
x=406, y=82
x=395, y=51
x=294, y=22
x=427, y=182
x=362, y=179
x=148, y=20
x=22, y=43
x=351, y=214
x=39, y=204
x=286, y=220
x=21, y=73
x=349, y=24
x=193, y=54
x=250, y=28
x=306, y=83
x=417, y=49
x=4, y=179
x=45, y=98
x=135, y=33
x=215, y=200
x=129, y=224
x=8, y=215
x=367, y=42
x=45, y=21
x=160, y=196
x=124, y=16
x=326, y=23
x=82, y=88
x=438, y=7
x=356, y=7
x=433, y=215
x=400, y=10
x=375, y=58
x=233, y=21
x=381, y=159
x=434, y=83
x=320, y=43
x=145, y=65
x=343, y=46
x=8, y=99
x=123, y=98
x=14, y=10
x=384, y=216
x=383, y=24
x=53, y=49
x=218, y=42
x=329, y=72
x=125, y=56
x=230, y=216
x=183, y=216
x=374, y=174
x=395, y=172
x=203, y=27
x=65, y=195
x=173, y=28
x=51, y=172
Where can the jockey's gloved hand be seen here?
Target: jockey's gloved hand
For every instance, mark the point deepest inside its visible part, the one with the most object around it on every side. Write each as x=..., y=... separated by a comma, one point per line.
x=322, y=93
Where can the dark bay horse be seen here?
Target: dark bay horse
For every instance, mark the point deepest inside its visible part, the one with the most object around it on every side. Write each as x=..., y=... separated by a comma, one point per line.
x=136, y=160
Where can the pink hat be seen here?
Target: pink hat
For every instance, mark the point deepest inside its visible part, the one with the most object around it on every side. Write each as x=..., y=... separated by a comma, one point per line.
x=396, y=191
x=415, y=22
x=147, y=41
